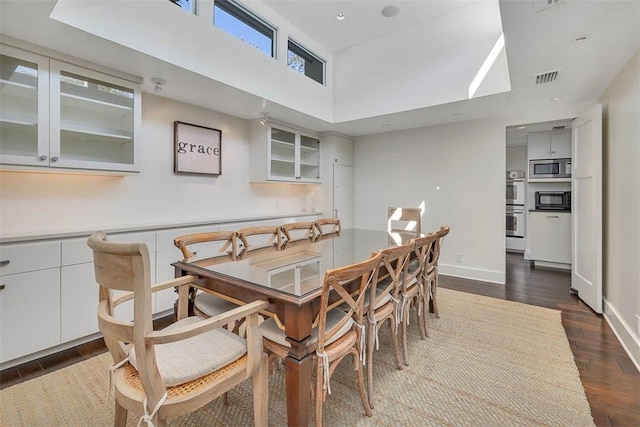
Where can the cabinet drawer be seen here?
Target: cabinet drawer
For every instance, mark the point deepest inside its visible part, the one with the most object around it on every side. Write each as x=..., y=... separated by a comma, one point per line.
x=22, y=257
x=76, y=251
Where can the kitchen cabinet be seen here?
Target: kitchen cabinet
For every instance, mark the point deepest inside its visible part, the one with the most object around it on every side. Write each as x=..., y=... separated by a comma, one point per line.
x=279, y=153
x=59, y=115
x=549, y=145
x=550, y=237
x=29, y=298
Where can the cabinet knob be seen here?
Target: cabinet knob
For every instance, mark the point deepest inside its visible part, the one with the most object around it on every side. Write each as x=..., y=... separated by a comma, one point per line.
x=4, y=262
x=43, y=157
x=54, y=159
x=1, y=287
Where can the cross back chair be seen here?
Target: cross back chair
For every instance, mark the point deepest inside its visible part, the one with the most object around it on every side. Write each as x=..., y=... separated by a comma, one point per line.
x=209, y=303
x=422, y=258
x=404, y=220
x=167, y=373
x=294, y=231
x=327, y=226
x=384, y=305
x=431, y=272
x=337, y=333
x=259, y=237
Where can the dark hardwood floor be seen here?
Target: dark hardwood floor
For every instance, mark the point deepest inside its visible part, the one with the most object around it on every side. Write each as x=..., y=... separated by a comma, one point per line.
x=610, y=379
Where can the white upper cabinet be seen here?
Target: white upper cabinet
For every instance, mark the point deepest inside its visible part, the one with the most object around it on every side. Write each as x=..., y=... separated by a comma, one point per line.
x=283, y=154
x=59, y=115
x=549, y=145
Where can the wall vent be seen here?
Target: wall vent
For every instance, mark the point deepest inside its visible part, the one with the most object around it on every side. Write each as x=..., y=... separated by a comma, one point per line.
x=548, y=77
x=558, y=128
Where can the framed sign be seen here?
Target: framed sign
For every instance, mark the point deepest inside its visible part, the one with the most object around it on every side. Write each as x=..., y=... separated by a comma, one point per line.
x=197, y=149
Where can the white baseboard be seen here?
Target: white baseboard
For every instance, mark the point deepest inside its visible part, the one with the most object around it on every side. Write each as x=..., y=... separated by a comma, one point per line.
x=482, y=275
x=625, y=333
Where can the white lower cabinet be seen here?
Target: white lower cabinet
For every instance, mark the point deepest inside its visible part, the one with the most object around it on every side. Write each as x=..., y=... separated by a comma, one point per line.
x=79, y=301
x=550, y=237
x=29, y=313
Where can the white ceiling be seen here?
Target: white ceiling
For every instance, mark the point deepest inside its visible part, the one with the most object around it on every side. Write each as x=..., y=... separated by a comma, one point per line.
x=535, y=42
x=363, y=19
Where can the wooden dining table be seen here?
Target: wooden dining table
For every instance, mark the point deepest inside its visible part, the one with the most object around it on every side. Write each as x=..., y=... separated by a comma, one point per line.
x=291, y=279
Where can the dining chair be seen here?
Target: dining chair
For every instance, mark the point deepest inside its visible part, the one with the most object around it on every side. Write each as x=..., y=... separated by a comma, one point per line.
x=294, y=231
x=217, y=247
x=327, y=226
x=383, y=305
x=421, y=262
x=251, y=238
x=412, y=295
x=432, y=270
x=404, y=220
x=177, y=370
x=337, y=333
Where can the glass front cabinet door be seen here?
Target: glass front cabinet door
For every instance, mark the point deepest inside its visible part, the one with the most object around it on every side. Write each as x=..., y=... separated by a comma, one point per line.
x=59, y=115
x=293, y=156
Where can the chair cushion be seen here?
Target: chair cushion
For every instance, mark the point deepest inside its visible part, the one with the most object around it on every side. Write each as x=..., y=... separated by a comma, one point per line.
x=271, y=331
x=212, y=305
x=183, y=361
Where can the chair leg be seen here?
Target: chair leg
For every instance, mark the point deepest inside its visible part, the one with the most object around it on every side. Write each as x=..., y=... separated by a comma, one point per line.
x=319, y=392
x=261, y=393
x=363, y=391
x=120, y=419
x=405, y=319
x=434, y=289
x=371, y=338
x=420, y=317
x=394, y=341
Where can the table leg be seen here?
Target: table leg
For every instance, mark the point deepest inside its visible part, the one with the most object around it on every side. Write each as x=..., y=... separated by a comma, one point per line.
x=299, y=363
x=298, y=386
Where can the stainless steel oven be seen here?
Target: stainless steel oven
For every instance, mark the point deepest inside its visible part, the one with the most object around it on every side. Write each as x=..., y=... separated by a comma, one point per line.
x=515, y=188
x=515, y=221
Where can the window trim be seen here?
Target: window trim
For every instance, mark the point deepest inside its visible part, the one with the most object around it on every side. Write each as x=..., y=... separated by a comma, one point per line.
x=306, y=54
x=249, y=18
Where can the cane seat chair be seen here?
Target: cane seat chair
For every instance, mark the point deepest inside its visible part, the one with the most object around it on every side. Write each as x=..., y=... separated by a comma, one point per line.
x=404, y=221
x=383, y=305
x=338, y=333
x=216, y=247
x=251, y=238
x=432, y=269
x=174, y=371
x=327, y=226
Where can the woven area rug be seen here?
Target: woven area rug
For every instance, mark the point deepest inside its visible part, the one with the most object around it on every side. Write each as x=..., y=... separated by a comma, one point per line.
x=487, y=362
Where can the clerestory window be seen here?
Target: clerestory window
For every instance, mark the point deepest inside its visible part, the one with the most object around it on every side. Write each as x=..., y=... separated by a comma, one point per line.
x=305, y=62
x=242, y=23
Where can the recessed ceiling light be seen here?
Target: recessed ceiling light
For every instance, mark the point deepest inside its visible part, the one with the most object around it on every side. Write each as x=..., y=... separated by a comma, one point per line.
x=390, y=11
x=385, y=125
x=521, y=127
x=557, y=98
x=340, y=17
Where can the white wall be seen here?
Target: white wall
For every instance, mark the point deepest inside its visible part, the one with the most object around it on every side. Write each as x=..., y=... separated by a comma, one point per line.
x=42, y=202
x=457, y=171
x=621, y=199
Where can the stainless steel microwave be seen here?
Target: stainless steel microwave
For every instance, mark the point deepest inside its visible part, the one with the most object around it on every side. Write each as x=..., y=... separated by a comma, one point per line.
x=549, y=168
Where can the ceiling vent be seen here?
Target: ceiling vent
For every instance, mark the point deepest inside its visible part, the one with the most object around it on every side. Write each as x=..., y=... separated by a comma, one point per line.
x=558, y=128
x=548, y=77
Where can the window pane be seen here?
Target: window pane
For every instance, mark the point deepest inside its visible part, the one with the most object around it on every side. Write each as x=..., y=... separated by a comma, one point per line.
x=304, y=62
x=185, y=4
x=244, y=26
